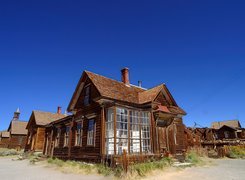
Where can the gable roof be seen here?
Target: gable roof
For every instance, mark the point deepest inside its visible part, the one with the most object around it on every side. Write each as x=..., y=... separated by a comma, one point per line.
x=150, y=94
x=62, y=120
x=116, y=90
x=231, y=123
x=225, y=126
x=42, y=118
x=18, y=127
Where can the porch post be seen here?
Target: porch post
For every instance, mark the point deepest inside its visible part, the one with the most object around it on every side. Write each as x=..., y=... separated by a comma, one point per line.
x=152, y=132
x=115, y=128
x=70, y=137
x=102, y=139
x=140, y=132
x=128, y=132
x=51, y=152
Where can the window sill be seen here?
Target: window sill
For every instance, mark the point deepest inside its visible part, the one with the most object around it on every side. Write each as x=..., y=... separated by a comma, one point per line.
x=90, y=146
x=77, y=146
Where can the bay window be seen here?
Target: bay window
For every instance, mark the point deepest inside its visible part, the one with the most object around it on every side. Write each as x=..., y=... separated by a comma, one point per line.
x=132, y=131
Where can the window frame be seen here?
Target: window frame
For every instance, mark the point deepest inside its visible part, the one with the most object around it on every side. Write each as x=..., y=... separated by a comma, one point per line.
x=91, y=133
x=57, y=138
x=86, y=100
x=66, y=135
x=138, y=125
x=79, y=135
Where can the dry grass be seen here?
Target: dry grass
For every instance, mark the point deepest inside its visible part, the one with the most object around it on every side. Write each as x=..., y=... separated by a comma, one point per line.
x=236, y=152
x=134, y=171
x=80, y=167
x=9, y=152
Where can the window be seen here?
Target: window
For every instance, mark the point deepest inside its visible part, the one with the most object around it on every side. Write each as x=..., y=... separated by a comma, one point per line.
x=145, y=132
x=57, y=140
x=86, y=97
x=122, y=130
x=90, y=137
x=226, y=134
x=109, y=125
x=66, y=136
x=79, y=134
x=132, y=131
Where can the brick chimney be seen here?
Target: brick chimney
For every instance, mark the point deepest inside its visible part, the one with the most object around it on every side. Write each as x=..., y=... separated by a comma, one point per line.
x=125, y=76
x=59, y=110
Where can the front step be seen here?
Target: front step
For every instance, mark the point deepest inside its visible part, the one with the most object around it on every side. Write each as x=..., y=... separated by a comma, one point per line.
x=180, y=157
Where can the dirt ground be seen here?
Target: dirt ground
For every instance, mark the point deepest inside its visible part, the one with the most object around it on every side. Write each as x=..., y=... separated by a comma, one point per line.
x=222, y=169
x=23, y=170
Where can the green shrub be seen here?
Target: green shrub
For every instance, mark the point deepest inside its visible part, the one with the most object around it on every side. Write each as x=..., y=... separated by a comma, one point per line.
x=118, y=172
x=193, y=157
x=104, y=170
x=142, y=169
x=236, y=152
x=56, y=162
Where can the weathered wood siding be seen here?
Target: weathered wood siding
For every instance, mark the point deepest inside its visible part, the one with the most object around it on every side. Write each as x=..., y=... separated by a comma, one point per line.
x=60, y=151
x=40, y=138
x=17, y=141
x=84, y=152
x=4, y=143
x=221, y=133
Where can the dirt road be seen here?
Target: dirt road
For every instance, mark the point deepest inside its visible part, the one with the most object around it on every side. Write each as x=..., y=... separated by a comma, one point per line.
x=23, y=170
x=223, y=169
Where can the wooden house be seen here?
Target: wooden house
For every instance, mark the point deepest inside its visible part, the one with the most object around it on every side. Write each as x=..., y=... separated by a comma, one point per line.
x=111, y=117
x=36, y=128
x=56, y=137
x=17, y=132
x=230, y=129
x=4, y=139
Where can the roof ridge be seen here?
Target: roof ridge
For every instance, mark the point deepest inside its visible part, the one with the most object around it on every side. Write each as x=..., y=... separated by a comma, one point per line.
x=225, y=121
x=46, y=112
x=103, y=76
x=155, y=86
x=86, y=71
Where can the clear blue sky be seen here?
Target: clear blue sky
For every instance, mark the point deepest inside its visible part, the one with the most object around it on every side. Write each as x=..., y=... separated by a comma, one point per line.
x=196, y=47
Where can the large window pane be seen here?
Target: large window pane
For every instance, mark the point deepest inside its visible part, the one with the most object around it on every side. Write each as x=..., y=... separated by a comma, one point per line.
x=132, y=128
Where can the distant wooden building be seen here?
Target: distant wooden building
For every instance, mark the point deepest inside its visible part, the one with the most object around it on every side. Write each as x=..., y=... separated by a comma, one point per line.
x=36, y=128
x=192, y=139
x=56, y=138
x=4, y=139
x=17, y=132
x=110, y=117
x=220, y=134
x=205, y=134
x=230, y=129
